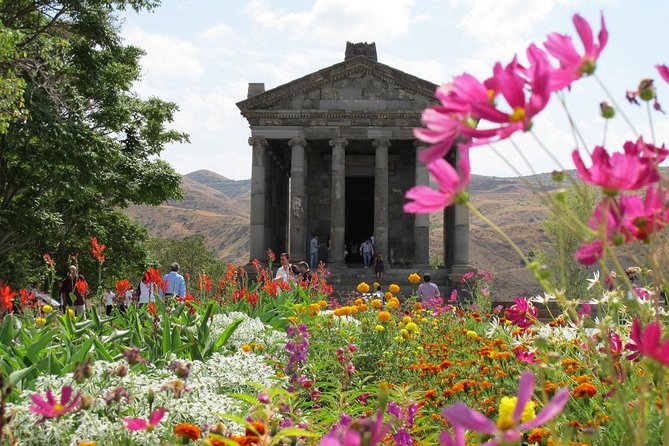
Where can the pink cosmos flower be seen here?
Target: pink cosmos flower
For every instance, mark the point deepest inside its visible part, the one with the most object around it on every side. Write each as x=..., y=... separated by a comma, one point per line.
x=584, y=310
x=572, y=64
x=664, y=71
x=52, y=409
x=628, y=171
x=646, y=342
x=523, y=314
x=462, y=417
x=646, y=150
x=140, y=424
x=526, y=356
x=452, y=186
x=350, y=433
x=590, y=253
x=640, y=217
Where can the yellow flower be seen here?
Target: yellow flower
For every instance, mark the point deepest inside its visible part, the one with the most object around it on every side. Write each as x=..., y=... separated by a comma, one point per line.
x=405, y=333
x=379, y=328
x=376, y=303
x=363, y=287
x=412, y=326
x=406, y=319
x=507, y=406
x=376, y=285
x=389, y=295
x=293, y=319
x=394, y=288
x=322, y=303
x=40, y=321
x=70, y=312
x=414, y=278
x=393, y=303
x=384, y=316
x=246, y=348
x=358, y=301
x=472, y=334
x=47, y=309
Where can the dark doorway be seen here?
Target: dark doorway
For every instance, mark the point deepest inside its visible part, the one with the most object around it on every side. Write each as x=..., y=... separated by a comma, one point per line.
x=359, y=215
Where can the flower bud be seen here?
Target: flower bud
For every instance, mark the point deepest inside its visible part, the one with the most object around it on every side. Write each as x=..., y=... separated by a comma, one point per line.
x=607, y=111
x=150, y=396
x=85, y=402
x=646, y=90
x=47, y=309
x=40, y=321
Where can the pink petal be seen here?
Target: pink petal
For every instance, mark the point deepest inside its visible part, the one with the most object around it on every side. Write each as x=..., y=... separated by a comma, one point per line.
x=65, y=395
x=589, y=253
x=562, y=48
x=603, y=36
x=426, y=200
x=157, y=415
x=444, y=174
x=50, y=398
x=525, y=392
x=651, y=338
x=458, y=438
x=551, y=410
x=135, y=424
x=664, y=72
x=460, y=414
x=585, y=33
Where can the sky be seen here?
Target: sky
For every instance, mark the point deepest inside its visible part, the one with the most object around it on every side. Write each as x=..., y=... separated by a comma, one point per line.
x=202, y=54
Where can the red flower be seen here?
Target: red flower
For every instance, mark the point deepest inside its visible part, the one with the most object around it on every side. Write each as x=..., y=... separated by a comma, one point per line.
x=205, y=282
x=252, y=298
x=49, y=261
x=82, y=286
x=523, y=313
x=152, y=308
x=187, y=299
x=647, y=342
x=7, y=297
x=153, y=276
x=27, y=298
x=98, y=249
x=122, y=286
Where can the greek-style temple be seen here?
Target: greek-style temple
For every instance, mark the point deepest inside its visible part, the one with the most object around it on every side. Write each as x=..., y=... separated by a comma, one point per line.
x=333, y=155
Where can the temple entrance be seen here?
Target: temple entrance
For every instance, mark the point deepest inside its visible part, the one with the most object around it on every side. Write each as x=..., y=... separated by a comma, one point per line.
x=359, y=215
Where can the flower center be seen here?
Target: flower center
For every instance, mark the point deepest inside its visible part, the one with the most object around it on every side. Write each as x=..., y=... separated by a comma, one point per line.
x=506, y=408
x=518, y=114
x=58, y=407
x=587, y=67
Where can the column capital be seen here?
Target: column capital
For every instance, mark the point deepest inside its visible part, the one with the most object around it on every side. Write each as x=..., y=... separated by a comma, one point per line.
x=338, y=142
x=297, y=142
x=258, y=141
x=381, y=142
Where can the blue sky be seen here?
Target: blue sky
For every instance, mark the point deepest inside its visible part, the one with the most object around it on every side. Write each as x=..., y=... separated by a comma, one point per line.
x=201, y=54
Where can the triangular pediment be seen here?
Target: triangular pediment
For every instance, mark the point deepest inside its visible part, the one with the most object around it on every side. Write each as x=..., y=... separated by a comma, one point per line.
x=353, y=85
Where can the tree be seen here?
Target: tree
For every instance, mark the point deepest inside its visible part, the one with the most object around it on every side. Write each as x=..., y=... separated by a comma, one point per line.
x=564, y=239
x=77, y=144
x=191, y=253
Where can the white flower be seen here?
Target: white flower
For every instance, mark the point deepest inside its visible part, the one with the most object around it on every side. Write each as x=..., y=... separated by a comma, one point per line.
x=594, y=280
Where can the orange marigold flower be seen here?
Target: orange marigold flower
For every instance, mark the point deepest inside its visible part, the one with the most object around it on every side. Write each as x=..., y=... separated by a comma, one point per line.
x=384, y=316
x=189, y=431
x=87, y=443
x=536, y=435
x=549, y=388
x=583, y=390
x=244, y=440
x=394, y=288
x=583, y=379
x=256, y=428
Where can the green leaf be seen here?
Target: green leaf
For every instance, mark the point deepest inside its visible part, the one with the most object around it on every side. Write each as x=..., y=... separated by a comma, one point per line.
x=166, y=339
x=17, y=376
x=100, y=348
x=34, y=350
x=7, y=333
x=116, y=334
x=81, y=354
x=291, y=432
x=225, y=336
x=244, y=397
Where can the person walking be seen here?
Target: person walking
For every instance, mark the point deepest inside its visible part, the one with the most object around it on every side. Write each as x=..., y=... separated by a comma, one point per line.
x=378, y=266
x=73, y=291
x=427, y=290
x=175, y=284
x=367, y=251
x=109, y=301
x=313, y=252
x=146, y=288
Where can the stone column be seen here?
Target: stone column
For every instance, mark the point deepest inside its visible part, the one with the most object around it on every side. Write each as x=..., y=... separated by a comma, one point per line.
x=257, y=240
x=338, y=200
x=456, y=233
x=298, y=239
x=421, y=228
x=381, y=197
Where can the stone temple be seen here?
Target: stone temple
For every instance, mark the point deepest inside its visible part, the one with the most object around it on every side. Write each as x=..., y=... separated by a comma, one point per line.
x=333, y=155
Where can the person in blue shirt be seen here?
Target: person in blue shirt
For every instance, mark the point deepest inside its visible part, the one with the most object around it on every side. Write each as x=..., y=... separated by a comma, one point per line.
x=175, y=284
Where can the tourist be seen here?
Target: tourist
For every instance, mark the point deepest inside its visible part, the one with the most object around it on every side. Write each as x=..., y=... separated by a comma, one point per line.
x=127, y=301
x=175, y=285
x=313, y=251
x=305, y=272
x=109, y=301
x=146, y=288
x=283, y=273
x=379, y=294
x=73, y=291
x=427, y=290
x=367, y=251
x=295, y=275
x=378, y=266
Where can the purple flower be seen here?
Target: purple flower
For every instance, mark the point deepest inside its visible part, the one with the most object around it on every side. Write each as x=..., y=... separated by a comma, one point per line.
x=513, y=420
x=349, y=433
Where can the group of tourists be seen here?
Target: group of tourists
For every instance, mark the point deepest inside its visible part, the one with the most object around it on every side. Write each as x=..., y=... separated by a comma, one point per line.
x=74, y=293
x=298, y=273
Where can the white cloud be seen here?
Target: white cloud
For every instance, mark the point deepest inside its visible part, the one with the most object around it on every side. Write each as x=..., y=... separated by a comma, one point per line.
x=330, y=20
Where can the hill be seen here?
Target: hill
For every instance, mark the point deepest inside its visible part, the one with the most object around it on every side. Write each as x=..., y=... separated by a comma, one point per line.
x=218, y=209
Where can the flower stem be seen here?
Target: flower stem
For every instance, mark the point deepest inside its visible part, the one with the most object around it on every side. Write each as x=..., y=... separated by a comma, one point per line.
x=650, y=122
x=474, y=210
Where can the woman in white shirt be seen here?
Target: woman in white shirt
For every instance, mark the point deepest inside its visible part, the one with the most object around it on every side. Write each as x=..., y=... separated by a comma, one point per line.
x=109, y=302
x=146, y=293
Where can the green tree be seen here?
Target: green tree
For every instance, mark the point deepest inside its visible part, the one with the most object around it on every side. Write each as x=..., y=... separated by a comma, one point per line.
x=77, y=145
x=191, y=253
x=570, y=212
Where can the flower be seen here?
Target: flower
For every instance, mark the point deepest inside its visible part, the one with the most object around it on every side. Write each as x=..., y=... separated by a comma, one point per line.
x=139, y=424
x=414, y=278
x=516, y=414
x=186, y=430
x=590, y=253
x=394, y=288
x=47, y=309
x=40, y=321
x=52, y=409
x=646, y=342
x=620, y=171
x=6, y=297
x=82, y=286
x=523, y=313
x=584, y=390
x=384, y=316
x=452, y=186
x=350, y=432
x=97, y=249
x=363, y=287
x=572, y=64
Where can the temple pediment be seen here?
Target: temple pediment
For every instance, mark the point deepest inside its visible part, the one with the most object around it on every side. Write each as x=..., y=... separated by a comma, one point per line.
x=358, y=84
